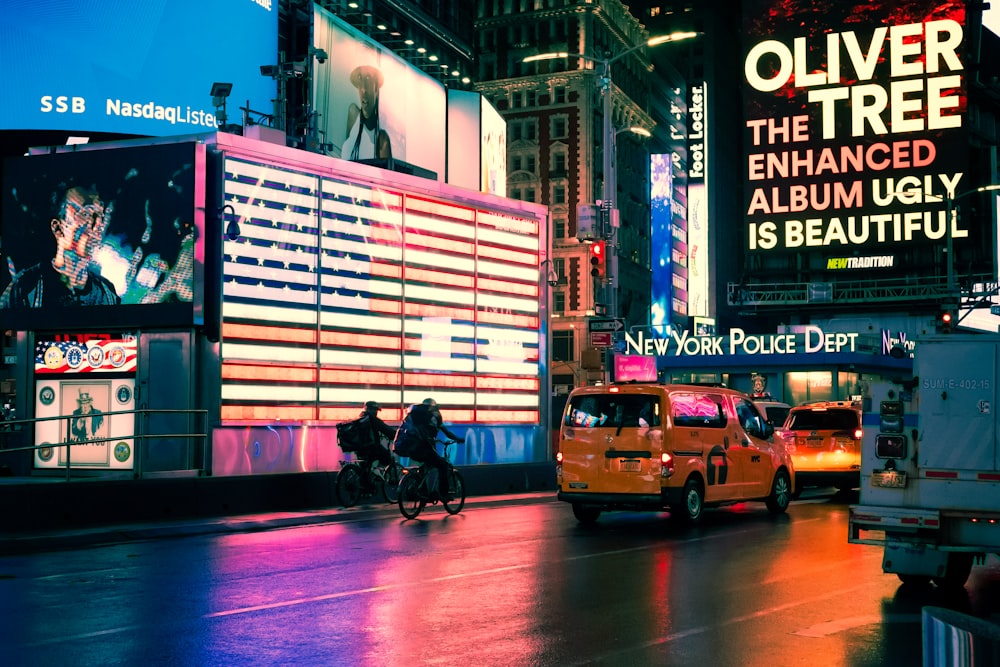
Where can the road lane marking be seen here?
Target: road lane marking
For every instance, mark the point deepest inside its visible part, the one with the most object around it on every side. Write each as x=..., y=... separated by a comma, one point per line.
x=620, y=654
x=841, y=624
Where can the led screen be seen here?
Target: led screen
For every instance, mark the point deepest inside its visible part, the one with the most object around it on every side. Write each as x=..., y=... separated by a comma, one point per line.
x=106, y=237
x=141, y=68
x=373, y=105
x=854, y=128
x=338, y=292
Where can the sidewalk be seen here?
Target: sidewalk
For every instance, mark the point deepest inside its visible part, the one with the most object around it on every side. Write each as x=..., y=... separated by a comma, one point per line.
x=35, y=541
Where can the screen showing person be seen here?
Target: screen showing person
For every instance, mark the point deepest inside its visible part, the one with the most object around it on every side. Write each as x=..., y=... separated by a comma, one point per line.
x=366, y=139
x=68, y=278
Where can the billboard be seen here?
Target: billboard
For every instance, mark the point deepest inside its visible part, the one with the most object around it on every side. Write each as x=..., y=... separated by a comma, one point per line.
x=854, y=130
x=84, y=397
x=339, y=291
x=143, y=68
x=373, y=105
x=103, y=238
x=477, y=144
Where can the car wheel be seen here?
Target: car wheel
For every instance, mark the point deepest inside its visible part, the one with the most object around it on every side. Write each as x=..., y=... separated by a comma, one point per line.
x=957, y=572
x=914, y=579
x=692, y=503
x=585, y=514
x=781, y=493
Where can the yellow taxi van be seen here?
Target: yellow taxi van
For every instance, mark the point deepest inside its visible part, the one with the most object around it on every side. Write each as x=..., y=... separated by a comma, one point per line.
x=824, y=440
x=659, y=447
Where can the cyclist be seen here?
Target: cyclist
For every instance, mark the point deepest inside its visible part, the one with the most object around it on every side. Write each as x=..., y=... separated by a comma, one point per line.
x=425, y=420
x=375, y=428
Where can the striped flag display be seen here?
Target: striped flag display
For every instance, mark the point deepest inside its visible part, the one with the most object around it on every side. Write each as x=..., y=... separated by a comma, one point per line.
x=339, y=292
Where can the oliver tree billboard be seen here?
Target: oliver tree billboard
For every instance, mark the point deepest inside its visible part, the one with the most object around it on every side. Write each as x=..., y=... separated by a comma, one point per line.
x=854, y=132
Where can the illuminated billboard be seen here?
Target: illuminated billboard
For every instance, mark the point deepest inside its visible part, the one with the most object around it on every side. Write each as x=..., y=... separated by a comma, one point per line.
x=371, y=104
x=89, y=381
x=340, y=291
x=103, y=238
x=477, y=143
x=854, y=130
x=141, y=68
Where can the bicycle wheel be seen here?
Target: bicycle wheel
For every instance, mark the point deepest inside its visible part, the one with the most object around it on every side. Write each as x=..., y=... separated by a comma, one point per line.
x=390, y=485
x=410, y=502
x=349, y=484
x=456, y=487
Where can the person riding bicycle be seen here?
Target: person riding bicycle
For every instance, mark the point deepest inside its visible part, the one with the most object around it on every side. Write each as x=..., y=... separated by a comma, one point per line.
x=420, y=429
x=377, y=428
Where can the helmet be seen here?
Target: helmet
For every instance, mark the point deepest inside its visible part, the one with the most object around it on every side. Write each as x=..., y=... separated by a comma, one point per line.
x=430, y=401
x=373, y=406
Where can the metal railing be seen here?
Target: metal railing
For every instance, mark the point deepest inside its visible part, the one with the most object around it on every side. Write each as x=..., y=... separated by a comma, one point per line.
x=22, y=426
x=854, y=292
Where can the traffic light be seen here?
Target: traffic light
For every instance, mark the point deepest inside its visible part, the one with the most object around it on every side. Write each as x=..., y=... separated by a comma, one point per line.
x=946, y=320
x=597, y=259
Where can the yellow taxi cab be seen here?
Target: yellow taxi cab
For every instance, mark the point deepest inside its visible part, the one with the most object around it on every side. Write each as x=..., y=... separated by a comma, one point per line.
x=824, y=439
x=658, y=447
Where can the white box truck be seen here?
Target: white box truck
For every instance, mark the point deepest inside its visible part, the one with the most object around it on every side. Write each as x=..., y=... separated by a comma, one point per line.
x=930, y=463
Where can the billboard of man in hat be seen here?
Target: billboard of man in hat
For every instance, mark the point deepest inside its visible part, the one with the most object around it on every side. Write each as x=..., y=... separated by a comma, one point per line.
x=86, y=419
x=365, y=137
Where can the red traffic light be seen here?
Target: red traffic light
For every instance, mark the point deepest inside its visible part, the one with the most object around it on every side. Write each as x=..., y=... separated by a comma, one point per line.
x=946, y=318
x=597, y=259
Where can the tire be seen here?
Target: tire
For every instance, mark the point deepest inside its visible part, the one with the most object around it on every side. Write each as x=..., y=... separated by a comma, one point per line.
x=586, y=514
x=349, y=481
x=410, y=503
x=781, y=493
x=456, y=487
x=692, y=503
x=957, y=572
x=390, y=485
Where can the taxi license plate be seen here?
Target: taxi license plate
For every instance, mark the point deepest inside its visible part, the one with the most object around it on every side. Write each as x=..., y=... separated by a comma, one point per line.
x=630, y=466
x=894, y=479
x=814, y=442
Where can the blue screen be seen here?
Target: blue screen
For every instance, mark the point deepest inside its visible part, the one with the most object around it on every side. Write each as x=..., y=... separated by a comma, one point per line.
x=139, y=68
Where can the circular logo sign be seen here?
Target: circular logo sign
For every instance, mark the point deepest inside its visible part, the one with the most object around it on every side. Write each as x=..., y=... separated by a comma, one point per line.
x=53, y=357
x=47, y=395
x=122, y=452
x=123, y=394
x=95, y=356
x=74, y=357
x=117, y=356
x=45, y=453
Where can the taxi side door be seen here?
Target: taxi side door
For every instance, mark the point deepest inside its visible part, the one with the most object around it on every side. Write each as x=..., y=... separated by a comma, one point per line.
x=751, y=450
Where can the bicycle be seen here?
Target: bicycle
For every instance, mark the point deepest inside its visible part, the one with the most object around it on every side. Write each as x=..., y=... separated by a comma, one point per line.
x=418, y=488
x=366, y=478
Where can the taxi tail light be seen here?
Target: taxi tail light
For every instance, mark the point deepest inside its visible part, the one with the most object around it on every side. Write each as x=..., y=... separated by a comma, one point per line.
x=859, y=433
x=559, y=462
x=666, y=465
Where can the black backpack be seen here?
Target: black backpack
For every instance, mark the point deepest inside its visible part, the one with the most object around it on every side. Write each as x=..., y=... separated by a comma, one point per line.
x=353, y=435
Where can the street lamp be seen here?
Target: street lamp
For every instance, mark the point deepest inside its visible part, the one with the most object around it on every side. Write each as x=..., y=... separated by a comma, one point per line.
x=609, y=221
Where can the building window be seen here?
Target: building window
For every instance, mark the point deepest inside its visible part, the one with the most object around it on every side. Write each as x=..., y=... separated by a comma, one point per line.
x=559, y=194
x=559, y=302
x=529, y=164
x=562, y=345
x=559, y=127
x=559, y=164
x=560, y=94
x=559, y=228
x=514, y=130
x=530, y=129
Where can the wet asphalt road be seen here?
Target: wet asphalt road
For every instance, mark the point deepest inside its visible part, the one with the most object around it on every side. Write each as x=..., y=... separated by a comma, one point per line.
x=502, y=584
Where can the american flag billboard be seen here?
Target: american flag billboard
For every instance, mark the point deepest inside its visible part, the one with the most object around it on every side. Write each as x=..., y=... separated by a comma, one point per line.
x=339, y=291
